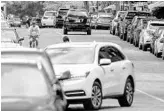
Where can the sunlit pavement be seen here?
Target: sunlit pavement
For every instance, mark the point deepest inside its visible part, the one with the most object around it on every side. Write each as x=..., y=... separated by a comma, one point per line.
x=149, y=95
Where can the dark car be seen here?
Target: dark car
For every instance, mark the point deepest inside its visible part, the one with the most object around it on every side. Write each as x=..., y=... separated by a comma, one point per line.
x=127, y=21
x=62, y=12
x=77, y=20
x=11, y=34
x=37, y=21
x=26, y=87
x=140, y=25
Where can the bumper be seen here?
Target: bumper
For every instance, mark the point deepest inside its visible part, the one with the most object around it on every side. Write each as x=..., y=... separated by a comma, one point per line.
x=77, y=27
x=76, y=89
x=47, y=23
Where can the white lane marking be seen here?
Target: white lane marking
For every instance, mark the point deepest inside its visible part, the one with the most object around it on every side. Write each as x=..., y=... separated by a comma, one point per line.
x=154, y=97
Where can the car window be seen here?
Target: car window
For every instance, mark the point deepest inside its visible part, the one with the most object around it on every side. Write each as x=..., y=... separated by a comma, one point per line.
x=114, y=54
x=110, y=53
x=77, y=13
x=15, y=81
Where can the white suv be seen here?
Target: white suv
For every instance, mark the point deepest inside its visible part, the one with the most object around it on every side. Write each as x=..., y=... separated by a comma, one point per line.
x=49, y=18
x=90, y=72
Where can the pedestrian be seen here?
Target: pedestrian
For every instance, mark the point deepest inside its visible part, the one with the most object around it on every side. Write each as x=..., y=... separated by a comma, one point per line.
x=66, y=39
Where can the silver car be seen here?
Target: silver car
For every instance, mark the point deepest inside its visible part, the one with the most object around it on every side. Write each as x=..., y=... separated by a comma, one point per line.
x=25, y=86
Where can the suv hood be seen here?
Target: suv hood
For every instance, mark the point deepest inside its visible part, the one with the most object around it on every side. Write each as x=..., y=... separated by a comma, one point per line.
x=75, y=70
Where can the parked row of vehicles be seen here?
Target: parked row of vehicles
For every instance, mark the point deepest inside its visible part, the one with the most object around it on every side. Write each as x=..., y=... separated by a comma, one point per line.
x=143, y=31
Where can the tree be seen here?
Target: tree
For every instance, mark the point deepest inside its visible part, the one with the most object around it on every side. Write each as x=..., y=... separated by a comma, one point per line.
x=158, y=12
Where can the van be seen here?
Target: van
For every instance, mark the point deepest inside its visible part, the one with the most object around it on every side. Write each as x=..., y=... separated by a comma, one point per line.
x=49, y=18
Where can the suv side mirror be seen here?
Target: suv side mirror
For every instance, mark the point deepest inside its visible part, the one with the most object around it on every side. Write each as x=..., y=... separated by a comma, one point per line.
x=105, y=61
x=65, y=75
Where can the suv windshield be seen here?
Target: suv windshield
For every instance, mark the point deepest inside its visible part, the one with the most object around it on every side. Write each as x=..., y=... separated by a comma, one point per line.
x=15, y=81
x=72, y=55
x=77, y=13
x=50, y=14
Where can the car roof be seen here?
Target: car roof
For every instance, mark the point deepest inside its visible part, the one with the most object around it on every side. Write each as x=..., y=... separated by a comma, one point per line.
x=83, y=44
x=20, y=61
x=22, y=50
x=8, y=29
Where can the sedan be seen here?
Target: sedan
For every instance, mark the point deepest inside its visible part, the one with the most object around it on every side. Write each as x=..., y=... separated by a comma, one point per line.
x=26, y=87
x=158, y=45
x=90, y=72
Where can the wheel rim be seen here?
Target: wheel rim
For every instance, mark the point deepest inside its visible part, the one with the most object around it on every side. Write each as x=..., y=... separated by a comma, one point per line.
x=96, y=96
x=129, y=93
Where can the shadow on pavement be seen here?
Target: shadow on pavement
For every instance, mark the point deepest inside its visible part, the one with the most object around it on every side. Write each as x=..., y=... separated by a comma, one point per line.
x=82, y=109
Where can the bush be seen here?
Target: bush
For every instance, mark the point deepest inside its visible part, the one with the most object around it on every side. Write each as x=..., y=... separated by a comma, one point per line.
x=158, y=12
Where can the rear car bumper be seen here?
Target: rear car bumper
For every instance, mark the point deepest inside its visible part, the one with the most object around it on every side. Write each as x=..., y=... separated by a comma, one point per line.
x=103, y=25
x=77, y=27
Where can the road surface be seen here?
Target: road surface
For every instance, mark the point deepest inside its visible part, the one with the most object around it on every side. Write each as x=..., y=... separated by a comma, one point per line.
x=149, y=70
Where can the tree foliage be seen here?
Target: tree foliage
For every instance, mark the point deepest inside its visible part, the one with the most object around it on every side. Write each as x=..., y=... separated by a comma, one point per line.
x=158, y=12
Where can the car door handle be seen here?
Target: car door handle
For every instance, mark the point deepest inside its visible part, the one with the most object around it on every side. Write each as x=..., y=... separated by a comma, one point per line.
x=123, y=68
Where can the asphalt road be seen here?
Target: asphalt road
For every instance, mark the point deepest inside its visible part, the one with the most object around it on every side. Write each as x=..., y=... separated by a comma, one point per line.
x=149, y=70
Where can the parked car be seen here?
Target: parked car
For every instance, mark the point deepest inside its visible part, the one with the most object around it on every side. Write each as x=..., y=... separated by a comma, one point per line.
x=77, y=20
x=49, y=18
x=10, y=35
x=132, y=27
x=116, y=20
x=62, y=12
x=155, y=35
x=140, y=26
x=163, y=50
x=4, y=24
x=36, y=54
x=146, y=34
x=16, y=22
x=104, y=21
x=101, y=66
x=128, y=19
x=26, y=87
x=158, y=45
x=37, y=20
